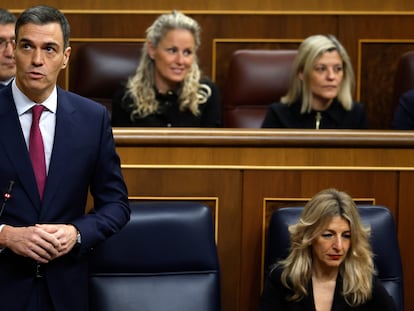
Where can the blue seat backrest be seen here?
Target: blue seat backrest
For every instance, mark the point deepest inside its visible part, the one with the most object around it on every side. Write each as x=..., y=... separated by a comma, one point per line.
x=165, y=258
x=383, y=240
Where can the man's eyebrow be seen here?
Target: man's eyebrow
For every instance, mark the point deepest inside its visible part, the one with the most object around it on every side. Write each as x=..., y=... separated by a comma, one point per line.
x=24, y=40
x=48, y=43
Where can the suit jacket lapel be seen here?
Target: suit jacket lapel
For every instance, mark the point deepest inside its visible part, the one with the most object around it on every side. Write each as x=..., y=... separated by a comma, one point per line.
x=13, y=144
x=61, y=148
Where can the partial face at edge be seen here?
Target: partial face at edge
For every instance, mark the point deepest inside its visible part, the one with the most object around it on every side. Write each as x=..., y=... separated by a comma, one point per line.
x=7, y=63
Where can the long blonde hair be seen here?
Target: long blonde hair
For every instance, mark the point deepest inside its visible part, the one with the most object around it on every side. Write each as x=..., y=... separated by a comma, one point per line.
x=140, y=85
x=309, y=51
x=357, y=269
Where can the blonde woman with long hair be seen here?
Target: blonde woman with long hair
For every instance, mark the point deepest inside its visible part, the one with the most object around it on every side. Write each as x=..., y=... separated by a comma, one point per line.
x=330, y=263
x=167, y=89
x=320, y=91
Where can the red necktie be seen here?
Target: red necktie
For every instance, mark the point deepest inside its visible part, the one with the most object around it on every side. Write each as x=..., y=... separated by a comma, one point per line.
x=36, y=149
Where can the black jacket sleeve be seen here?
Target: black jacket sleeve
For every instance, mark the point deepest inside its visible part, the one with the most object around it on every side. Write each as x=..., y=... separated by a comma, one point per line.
x=404, y=113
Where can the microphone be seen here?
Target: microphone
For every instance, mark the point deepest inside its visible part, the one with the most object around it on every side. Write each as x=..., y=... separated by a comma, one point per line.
x=7, y=195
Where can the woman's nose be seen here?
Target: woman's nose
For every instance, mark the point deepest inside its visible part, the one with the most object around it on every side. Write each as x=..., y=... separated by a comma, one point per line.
x=331, y=73
x=179, y=58
x=338, y=243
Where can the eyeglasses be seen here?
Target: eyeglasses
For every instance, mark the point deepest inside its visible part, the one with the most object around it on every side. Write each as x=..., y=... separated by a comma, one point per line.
x=4, y=43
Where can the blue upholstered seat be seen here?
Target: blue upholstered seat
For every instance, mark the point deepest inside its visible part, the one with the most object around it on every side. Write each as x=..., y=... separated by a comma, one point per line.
x=164, y=259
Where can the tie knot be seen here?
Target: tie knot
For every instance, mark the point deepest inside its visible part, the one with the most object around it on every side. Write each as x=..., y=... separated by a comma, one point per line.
x=37, y=112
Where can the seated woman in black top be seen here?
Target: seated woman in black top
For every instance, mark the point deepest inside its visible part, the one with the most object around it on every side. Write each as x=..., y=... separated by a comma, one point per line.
x=330, y=263
x=320, y=92
x=167, y=88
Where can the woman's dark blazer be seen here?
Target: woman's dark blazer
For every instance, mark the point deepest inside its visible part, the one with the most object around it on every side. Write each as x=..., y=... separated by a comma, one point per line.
x=335, y=117
x=275, y=293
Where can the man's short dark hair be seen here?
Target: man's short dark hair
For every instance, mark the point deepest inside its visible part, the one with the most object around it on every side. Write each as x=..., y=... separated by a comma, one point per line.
x=6, y=17
x=42, y=15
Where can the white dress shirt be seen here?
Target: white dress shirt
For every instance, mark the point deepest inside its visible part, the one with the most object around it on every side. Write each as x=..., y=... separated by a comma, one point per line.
x=47, y=121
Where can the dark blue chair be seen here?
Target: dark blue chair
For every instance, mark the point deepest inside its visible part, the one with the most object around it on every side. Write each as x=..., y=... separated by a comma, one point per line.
x=384, y=242
x=164, y=259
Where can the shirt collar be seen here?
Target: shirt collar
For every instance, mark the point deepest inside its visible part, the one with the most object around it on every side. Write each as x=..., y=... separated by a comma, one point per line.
x=23, y=103
x=170, y=94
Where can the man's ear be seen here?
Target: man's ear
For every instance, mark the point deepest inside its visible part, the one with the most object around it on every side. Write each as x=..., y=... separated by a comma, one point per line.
x=66, y=55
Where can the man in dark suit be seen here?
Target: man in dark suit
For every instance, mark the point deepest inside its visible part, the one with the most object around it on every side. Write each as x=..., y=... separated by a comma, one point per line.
x=7, y=64
x=45, y=234
x=404, y=113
